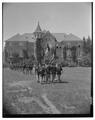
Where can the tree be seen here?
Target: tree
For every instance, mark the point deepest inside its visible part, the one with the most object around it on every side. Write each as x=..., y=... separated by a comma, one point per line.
x=84, y=44
x=39, y=51
x=88, y=45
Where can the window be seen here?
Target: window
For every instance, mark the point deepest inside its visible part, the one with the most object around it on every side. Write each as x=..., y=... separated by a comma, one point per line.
x=20, y=44
x=10, y=44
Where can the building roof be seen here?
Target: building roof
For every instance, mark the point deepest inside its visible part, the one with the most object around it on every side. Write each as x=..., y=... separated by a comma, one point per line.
x=24, y=37
x=72, y=37
x=16, y=37
x=28, y=37
x=66, y=37
x=38, y=29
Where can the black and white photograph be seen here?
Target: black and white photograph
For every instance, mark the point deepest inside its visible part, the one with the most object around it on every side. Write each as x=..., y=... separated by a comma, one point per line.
x=47, y=59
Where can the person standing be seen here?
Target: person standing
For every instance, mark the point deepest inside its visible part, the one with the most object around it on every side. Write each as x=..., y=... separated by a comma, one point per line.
x=53, y=72
x=48, y=73
x=59, y=70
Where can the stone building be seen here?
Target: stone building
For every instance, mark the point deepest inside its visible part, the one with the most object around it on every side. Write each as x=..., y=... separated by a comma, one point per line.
x=44, y=46
x=26, y=45
x=18, y=47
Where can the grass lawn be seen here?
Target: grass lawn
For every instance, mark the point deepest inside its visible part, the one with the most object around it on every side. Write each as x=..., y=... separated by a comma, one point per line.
x=23, y=95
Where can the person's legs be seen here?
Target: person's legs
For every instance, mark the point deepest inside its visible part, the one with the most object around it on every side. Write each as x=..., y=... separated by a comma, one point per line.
x=53, y=77
x=46, y=77
x=49, y=77
x=38, y=77
x=59, y=77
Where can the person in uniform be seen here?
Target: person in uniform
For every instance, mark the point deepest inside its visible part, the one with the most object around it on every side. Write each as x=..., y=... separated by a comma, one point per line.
x=59, y=70
x=53, y=71
x=48, y=72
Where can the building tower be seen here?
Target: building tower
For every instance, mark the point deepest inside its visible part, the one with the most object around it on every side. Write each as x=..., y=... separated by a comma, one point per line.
x=38, y=32
x=38, y=46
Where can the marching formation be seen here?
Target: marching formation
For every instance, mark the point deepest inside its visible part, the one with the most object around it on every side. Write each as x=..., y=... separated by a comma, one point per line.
x=22, y=67
x=48, y=73
x=44, y=73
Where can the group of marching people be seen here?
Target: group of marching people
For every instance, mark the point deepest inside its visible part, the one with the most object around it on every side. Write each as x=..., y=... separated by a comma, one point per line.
x=21, y=67
x=48, y=73
x=44, y=73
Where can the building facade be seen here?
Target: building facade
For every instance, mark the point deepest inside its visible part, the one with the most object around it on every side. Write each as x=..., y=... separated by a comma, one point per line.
x=43, y=46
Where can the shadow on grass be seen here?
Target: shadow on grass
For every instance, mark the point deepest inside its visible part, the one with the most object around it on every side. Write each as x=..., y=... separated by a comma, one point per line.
x=54, y=82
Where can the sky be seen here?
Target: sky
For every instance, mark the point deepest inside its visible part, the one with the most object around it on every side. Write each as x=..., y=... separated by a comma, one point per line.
x=62, y=17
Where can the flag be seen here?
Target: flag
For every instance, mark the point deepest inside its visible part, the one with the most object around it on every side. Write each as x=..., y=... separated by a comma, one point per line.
x=47, y=49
